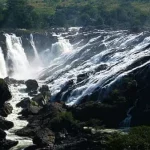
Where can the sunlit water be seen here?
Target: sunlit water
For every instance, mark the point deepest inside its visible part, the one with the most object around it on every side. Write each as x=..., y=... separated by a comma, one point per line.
x=18, y=124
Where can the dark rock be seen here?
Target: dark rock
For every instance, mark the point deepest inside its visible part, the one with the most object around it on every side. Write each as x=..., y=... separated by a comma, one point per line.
x=66, y=87
x=82, y=77
x=34, y=109
x=32, y=85
x=44, y=88
x=44, y=137
x=32, y=93
x=2, y=134
x=13, y=81
x=32, y=147
x=24, y=103
x=27, y=131
x=7, y=144
x=4, y=124
x=4, y=92
x=6, y=110
x=106, y=113
x=39, y=99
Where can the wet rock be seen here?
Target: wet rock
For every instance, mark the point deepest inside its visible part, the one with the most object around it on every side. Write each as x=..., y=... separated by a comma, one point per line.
x=67, y=87
x=9, y=80
x=34, y=109
x=39, y=99
x=44, y=88
x=5, y=125
x=6, y=110
x=7, y=144
x=32, y=85
x=5, y=94
x=32, y=93
x=44, y=137
x=2, y=134
x=82, y=77
x=24, y=103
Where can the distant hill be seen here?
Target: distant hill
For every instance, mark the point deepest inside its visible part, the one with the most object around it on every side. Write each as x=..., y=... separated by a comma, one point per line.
x=113, y=13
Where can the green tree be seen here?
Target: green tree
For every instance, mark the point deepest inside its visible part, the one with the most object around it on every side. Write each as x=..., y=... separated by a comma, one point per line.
x=20, y=14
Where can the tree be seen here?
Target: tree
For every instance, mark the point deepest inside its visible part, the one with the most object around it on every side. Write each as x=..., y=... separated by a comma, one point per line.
x=20, y=14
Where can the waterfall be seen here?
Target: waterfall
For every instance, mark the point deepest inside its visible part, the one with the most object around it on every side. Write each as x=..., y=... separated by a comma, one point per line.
x=127, y=121
x=17, y=62
x=58, y=50
x=34, y=47
x=62, y=46
x=116, y=50
x=3, y=70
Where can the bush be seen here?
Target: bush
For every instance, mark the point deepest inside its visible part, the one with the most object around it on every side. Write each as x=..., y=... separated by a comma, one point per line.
x=63, y=120
x=138, y=138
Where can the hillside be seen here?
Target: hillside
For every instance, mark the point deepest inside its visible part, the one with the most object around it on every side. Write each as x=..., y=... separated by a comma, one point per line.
x=104, y=13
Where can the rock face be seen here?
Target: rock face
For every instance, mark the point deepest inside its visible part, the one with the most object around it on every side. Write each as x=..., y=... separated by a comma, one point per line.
x=5, y=110
x=44, y=137
x=32, y=85
x=5, y=94
x=5, y=125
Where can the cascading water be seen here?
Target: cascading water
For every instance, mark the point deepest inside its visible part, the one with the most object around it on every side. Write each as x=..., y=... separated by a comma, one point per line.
x=18, y=124
x=116, y=50
x=3, y=70
x=58, y=49
x=34, y=48
x=17, y=62
x=90, y=60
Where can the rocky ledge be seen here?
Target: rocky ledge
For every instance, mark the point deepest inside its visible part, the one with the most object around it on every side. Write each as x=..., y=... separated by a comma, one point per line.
x=5, y=110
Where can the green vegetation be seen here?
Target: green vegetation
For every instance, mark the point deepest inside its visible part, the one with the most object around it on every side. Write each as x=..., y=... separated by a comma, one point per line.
x=138, y=138
x=55, y=13
x=63, y=120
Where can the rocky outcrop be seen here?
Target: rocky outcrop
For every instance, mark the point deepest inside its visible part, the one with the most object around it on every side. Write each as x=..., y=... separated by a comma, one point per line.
x=44, y=137
x=5, y=94
x=32, y=85
x=5, y=110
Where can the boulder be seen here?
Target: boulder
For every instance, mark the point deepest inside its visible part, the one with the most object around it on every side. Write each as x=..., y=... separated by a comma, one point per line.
x=9, y=80
x=24, y=103
x=6, y=110
x=2, y=134
x=5, y=125
x=44, y=88
x=32, y=85
x=7, y=144
x=44, y=137
x=4, y=92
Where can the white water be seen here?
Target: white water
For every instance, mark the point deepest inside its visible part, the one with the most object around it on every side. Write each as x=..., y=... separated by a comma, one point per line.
x=34, y=48
x=58, y=49
x=3, y=70
x=117, y=49
x=18, y=124
x=17, y=61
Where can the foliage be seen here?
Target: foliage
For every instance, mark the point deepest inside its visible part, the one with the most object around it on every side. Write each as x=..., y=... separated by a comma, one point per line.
x=138, y=138
x=63, y=120
x=49, y=13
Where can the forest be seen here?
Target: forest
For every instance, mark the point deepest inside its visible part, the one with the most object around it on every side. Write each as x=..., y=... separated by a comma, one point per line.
x=31, y=14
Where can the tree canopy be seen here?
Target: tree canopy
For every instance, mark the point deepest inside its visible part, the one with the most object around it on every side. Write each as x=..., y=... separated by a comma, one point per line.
x=64, y=13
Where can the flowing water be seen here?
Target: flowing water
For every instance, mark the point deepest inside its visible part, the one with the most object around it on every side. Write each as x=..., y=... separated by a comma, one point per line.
x=18, y=94
x=101, y=57
x=17, y=62
x=3, y=70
